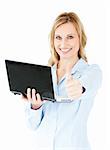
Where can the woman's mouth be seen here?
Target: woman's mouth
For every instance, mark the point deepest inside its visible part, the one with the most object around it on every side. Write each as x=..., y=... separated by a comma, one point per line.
x=66, y=50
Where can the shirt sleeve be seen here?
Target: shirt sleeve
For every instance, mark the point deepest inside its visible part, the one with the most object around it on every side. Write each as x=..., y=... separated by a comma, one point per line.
x=91, y=79
x=33, y=117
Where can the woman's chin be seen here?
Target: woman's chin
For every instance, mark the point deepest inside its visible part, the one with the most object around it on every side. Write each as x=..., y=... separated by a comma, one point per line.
x=64, y=56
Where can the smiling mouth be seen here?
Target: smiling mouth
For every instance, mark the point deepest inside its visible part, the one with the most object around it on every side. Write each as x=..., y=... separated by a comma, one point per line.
x=66, y=50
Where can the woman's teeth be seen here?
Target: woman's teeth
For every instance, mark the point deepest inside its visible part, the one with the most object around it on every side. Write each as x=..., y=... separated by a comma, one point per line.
x=66, y=50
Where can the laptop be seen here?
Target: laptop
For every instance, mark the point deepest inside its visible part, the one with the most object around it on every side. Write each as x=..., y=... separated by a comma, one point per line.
x=23, y=75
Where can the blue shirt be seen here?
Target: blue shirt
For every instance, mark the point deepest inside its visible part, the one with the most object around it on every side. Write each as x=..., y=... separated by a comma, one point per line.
x=63, y=125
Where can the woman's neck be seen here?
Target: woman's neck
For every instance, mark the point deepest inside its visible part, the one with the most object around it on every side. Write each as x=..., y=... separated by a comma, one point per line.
x=65, y=63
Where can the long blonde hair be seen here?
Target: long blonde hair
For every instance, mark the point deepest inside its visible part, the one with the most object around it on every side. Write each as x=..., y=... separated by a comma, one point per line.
x=62, y=19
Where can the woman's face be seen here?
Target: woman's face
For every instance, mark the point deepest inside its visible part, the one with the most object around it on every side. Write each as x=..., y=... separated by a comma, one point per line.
x=66, y=41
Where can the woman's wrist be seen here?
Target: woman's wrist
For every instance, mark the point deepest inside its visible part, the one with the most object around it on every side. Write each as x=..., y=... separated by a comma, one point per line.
x=35, y=107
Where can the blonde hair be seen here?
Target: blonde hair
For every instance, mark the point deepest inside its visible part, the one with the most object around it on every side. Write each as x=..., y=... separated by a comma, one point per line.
x=62, y=19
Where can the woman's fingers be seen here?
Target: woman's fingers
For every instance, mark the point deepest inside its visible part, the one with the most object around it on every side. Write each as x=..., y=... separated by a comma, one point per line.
x=33, y=97
x=38, y=97
x=28, y=93
x=33, y=94
x=73, y=87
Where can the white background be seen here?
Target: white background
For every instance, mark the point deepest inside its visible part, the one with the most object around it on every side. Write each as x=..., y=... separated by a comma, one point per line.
x=24, y=30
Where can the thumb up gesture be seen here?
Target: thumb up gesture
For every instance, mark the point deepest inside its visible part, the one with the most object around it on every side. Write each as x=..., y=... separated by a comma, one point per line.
x=73, y=86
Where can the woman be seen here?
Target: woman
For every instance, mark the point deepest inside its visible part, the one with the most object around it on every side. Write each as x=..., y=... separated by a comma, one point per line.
x=63, y=125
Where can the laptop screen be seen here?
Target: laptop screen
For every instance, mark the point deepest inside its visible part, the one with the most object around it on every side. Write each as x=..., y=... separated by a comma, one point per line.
x=23, y=75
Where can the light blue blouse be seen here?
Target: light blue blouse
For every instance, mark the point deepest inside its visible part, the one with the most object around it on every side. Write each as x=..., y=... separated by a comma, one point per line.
x=63, y=125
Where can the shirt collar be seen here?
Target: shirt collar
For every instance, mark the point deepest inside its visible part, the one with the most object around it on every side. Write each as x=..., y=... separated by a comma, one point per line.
x=80, y=63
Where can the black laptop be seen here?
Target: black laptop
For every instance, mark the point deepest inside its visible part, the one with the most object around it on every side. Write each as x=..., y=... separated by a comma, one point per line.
x=23, y=75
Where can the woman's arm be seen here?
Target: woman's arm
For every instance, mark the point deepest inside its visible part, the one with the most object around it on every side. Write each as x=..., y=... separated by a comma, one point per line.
x=34, y=109
x=33, y=117
x=87, y=84
x=91, y=79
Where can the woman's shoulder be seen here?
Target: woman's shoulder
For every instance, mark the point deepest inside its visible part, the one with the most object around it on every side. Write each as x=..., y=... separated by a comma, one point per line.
x=84, y=68
x=87, y=66
x=91, y=76
x=94, y=67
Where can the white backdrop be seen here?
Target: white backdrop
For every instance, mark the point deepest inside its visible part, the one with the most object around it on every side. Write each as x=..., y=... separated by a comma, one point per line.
x=24, y=30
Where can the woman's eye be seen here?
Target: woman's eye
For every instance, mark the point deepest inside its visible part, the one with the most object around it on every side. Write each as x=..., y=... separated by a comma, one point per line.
x=58, y=37
x=70, y=37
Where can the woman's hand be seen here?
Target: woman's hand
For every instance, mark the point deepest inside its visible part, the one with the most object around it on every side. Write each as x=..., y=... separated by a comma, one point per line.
x=34, y=98
x=73, y=87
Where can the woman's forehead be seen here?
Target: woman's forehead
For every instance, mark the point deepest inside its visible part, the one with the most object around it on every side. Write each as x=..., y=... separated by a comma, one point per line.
x=68, y=28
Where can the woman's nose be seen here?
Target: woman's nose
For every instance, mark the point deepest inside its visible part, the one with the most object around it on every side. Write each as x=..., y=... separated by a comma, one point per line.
x=63, y=43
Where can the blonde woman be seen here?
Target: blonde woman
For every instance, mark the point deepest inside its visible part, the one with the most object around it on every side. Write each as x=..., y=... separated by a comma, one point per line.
x=63, y=125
